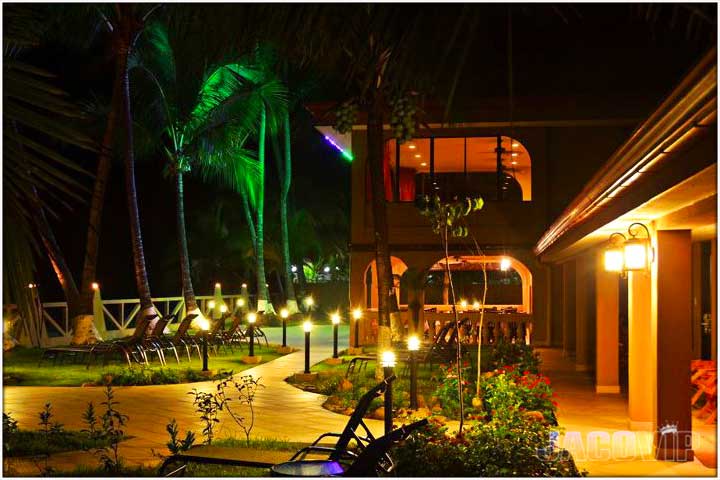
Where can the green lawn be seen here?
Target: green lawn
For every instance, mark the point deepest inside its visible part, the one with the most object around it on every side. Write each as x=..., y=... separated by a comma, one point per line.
x=20, y=367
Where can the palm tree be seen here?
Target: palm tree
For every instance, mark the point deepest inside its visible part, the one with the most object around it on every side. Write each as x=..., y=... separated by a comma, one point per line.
x=36, y=175
x=202, y=120
x=261, y=102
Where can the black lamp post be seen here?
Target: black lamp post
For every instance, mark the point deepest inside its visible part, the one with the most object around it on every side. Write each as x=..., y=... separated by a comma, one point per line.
x=206, y=328
x=284, y=315
x=251, y=318
x=335, y=322
x=307, y=326
x=388, y=363
x=413, y=346
x=357, y=315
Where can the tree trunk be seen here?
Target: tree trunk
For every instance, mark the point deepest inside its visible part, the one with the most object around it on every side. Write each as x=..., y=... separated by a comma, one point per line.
x=284, y=163
x=98, y=196
x=186, y=279
x=141, y=278
x=57, y=259
x=379, y=209
x=263, y=300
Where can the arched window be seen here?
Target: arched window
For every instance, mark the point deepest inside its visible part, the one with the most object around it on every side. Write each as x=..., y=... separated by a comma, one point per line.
x=496, y=168
x=371, y=293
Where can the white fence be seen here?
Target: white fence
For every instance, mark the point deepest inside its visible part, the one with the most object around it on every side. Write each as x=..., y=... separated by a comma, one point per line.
x=55, y=327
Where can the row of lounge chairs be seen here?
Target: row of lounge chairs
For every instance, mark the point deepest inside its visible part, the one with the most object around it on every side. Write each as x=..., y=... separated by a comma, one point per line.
x=148, y=341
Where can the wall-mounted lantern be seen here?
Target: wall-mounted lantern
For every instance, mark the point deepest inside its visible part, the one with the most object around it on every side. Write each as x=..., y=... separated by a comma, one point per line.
x=631, y=254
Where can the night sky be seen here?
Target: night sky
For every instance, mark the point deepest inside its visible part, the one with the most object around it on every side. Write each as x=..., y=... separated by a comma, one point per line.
x=602, y=51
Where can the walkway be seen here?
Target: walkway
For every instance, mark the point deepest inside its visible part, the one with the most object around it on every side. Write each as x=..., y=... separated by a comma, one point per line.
x=282, y=411
x=581, y=412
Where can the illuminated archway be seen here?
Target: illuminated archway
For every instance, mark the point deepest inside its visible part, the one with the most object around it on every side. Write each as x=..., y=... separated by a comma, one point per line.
x=370, y=280
x=499, y=268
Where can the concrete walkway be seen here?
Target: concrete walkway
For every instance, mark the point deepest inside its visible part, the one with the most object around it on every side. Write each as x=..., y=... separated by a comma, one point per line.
x=596, y=428
x=281, y=410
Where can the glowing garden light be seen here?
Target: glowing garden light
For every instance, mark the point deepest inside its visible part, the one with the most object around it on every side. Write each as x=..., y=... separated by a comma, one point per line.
x=505, y=264
x=335, y=317
x=463, y=304
x=413, y=344
x=240, y=302
x=476, y=305
x=95, y=286
x=348, y=156
x=357, y=315
x=223, y=309
x=217, y=285
x=211, y=304
x=307, y=327
x=293, y=269
x=326, y=269
x=388, y=360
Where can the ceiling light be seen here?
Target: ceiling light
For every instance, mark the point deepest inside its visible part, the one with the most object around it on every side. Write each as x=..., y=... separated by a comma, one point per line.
x=514, y=162
x=423, y=164
x=515, y=144
x=411, y=146
x=417, y=155
x=514, y=154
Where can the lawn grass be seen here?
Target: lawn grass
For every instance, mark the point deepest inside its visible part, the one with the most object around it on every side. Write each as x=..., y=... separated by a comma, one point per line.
x=32, y=442
x=20, y=367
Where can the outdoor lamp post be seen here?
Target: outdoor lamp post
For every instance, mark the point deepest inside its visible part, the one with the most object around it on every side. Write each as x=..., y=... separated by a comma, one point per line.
x=240, y=303
x=335, y=321
x=251, y=318
x=388, y=363
x=357, y=315
x=309, y=302
x=205, y=328
x=307, y=326
x=284, y=315
x=413, y=344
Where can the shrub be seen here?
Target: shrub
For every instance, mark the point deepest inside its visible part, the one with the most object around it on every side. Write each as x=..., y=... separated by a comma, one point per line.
x=447, y=391
x=507, y=391
x=519, y=354
x=510, y=447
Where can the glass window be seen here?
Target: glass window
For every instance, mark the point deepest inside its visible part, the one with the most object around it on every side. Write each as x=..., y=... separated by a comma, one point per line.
x=457, y=167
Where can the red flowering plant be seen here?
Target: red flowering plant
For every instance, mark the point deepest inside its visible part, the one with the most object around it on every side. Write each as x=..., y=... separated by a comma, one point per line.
x=447, y=390
x=509, y=391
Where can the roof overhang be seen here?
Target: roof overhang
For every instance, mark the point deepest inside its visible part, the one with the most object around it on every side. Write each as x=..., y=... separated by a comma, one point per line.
x=677, y=142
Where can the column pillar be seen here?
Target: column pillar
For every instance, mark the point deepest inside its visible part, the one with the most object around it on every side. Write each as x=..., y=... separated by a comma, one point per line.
x=673, y=301
x=641, y=361
x=584, y=311
x=607, y=329
x=713, y=298
x=568, y=308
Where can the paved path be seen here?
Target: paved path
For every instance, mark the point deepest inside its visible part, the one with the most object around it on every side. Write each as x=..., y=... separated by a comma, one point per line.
x=592, y=419
x=282, y=411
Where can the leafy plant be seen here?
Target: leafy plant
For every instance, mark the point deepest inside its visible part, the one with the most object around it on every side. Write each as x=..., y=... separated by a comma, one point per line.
x=10, y=425
x=113, y=423
x=446, y=220
x=522, y=356
x=92, y=422
x=245, y=390
x=208, y=405
x=507, y=392
x=447, y=390
x=175, y=445
x=512, y=446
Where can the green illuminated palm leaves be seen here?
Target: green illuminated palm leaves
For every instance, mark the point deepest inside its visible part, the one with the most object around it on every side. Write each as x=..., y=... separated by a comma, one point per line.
x=204, y=124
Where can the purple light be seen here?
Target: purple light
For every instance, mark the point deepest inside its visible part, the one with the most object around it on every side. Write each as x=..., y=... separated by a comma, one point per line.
x=345, y=154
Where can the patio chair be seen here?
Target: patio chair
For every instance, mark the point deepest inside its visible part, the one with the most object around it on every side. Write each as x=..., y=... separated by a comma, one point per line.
x=374, y=460
x=339, y=451
x=181, y=338
x=232, y=336
x=129, y=348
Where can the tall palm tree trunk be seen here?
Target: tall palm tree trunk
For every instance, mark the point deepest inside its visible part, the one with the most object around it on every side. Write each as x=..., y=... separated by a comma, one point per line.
x=263, y=300
x=380, y=228
x=141, y=278
x=284, y=162
x=83, y=322
x=187, y=287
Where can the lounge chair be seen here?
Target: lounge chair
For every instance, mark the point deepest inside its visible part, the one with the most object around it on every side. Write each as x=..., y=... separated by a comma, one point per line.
x=373, y=461
x=339, y=452
x=181, y=338
x=130, y=348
